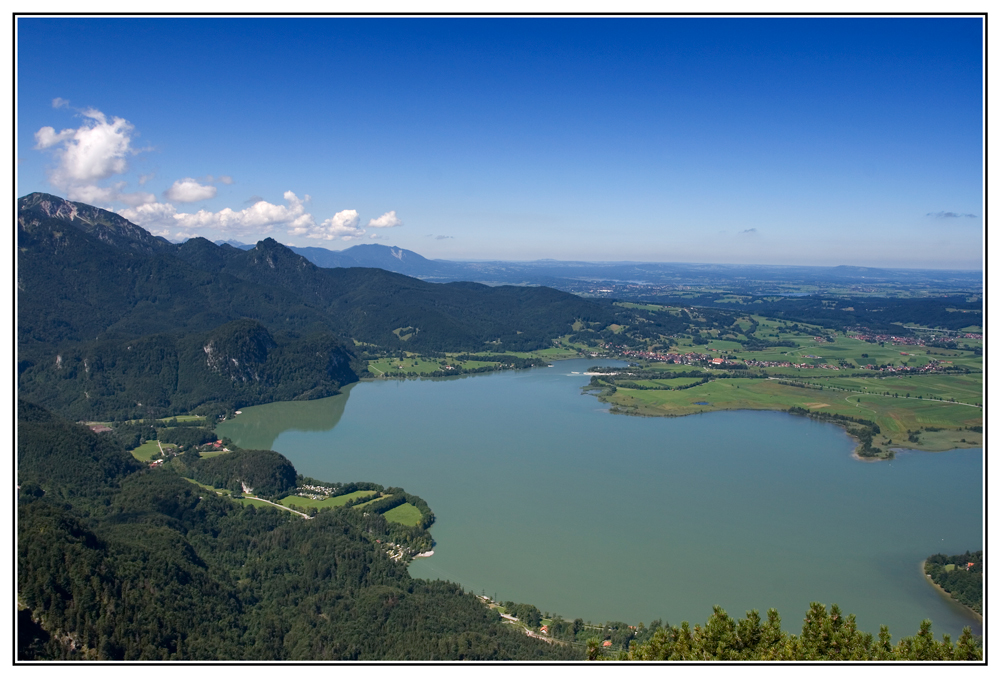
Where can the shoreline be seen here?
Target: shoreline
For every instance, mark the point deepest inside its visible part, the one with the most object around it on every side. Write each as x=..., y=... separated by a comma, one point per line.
x=386, y=375
x=947, y=595
x=634, y=411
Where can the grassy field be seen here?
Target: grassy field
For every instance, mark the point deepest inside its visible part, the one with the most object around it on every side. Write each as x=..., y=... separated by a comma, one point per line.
x=208, y=487
x=394, y=366
x=250, y=501
x=412, y=362
x=246, y=501
x=295, y=501
x=405, y=514
x=964, y=388
x=665, y=383
x=146, y=451
x=371, y=501
x=895, y=416
x=837, y=384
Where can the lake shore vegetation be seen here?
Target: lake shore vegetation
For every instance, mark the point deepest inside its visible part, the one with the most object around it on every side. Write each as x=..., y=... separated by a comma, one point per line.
x=960, y=576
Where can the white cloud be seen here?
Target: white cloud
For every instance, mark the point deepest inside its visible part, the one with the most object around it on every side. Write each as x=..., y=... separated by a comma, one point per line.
x=151, y=215
x=93, y=194
x=344, y=225
x=59, y=102
x=225, y=179
x=96, y=150
x=189, y=190
x=146, y=177
x=387, y=220
x=84, y=156
x=261, y=217
x=47, y=137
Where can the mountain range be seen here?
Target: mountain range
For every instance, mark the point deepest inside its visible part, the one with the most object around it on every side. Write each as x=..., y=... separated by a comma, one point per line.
x=567, y=275
x=115, y=321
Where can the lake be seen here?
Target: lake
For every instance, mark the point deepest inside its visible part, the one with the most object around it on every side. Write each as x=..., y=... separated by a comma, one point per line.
x=542, y=496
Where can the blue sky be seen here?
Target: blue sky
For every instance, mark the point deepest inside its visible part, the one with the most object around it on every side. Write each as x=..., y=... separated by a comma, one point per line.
x=819, y=141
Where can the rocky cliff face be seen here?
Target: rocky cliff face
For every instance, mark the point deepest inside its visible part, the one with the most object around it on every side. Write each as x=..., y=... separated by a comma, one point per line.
x=238, y=350
x=106, y=226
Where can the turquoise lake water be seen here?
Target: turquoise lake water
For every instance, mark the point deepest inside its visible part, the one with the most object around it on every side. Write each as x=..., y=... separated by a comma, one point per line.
x=542, y=496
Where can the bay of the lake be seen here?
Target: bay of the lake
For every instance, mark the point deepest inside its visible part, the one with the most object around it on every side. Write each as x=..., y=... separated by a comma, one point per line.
x=542, y=496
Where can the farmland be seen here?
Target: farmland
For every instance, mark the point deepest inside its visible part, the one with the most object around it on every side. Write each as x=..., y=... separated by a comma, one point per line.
x=922, y=391
x=405, y=514
x=296, y=501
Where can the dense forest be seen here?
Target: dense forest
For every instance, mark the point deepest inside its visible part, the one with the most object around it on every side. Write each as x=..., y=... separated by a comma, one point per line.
x=119, y=561
x=235, y=365
x=961, y=576
x=826, y=636
x=113, y=322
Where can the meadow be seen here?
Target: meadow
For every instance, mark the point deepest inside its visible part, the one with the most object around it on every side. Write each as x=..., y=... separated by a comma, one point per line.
x=405, y=514
x=896, y=417
x=411, y=364
x=907, y=407
x=146, y=451
x=295, y=501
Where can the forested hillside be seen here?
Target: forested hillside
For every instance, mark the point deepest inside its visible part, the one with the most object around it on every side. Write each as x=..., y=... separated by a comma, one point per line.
x=118, y=561
x=113, y=322
x=234, y=365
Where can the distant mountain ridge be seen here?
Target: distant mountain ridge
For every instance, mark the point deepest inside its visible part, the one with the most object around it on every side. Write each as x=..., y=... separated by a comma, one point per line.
x=114, y=321
x=563, y=274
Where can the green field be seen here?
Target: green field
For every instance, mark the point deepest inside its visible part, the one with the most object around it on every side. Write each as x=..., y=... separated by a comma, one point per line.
x=413, y=362
x=296, y=501
x=405, y=514
x=895, y=416
x=208, y=487
x=833, y=381
x=246, y=501
x=250, y=501
x=964, y=388
x=392, y=366
x=372, y=501
x=146, y=451
x=723, y=345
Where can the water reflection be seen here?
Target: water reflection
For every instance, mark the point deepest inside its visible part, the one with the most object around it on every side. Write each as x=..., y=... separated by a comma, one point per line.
x=258, y=427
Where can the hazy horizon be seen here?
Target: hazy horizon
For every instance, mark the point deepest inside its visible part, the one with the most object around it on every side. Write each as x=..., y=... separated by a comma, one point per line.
x=600, y=261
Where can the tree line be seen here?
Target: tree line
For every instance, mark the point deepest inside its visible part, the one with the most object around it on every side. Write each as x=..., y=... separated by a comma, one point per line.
x=963, y=580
